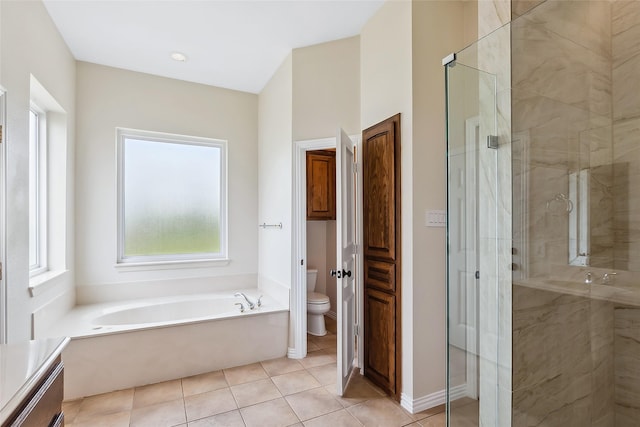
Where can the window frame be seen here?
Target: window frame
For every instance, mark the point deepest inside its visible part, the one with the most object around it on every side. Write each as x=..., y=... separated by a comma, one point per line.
x=122, y=134
x=41, y=189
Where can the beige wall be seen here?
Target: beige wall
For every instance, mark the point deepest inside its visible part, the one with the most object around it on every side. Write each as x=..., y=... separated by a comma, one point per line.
x=275, y=175
x=436, y=33
x=110, y=98
x=30, y=44
x=326, y=89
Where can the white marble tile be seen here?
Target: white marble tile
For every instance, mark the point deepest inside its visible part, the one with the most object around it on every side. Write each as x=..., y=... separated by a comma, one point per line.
x=492, y=14
x=560, y=69
x=587, y=23
x=626, y=86
x=520, y=7
x=625, y=28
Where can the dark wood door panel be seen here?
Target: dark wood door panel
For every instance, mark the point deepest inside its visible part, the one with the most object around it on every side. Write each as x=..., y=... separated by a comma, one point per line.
x=379, y=204
x=380, y=275
x=380, y=352
x=382, y=255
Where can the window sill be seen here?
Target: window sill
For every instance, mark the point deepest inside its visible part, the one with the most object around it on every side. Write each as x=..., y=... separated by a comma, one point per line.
x=170, y=265
x=44, y=281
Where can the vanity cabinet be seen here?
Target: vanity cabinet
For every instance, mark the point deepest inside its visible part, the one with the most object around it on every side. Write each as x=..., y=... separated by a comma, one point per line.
x=43, y=405
x=321, y=185
x=32, y=383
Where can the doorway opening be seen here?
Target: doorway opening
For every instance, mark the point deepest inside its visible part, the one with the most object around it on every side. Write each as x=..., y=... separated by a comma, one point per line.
x=301, y=237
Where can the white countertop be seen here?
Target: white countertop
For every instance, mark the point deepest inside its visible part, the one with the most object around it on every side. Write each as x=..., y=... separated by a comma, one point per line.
x=22, y=366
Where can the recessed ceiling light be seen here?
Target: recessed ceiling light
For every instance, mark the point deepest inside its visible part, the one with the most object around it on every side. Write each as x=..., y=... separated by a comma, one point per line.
x=177, y=56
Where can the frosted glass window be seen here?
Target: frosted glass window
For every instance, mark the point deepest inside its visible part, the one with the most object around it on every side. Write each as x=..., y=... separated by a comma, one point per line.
x=172, y=198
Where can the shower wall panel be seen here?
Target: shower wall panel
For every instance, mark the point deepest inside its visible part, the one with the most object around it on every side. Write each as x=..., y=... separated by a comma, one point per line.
x=626, y=132
x=563, y=345
x=556, y=382
x=627, y=366
x=561, y=78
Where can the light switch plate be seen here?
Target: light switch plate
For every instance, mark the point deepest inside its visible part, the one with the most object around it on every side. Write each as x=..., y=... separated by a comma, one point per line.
x=436, y=218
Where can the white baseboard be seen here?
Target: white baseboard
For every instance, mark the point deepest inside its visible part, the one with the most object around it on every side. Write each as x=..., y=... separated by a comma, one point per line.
x=431, y=400
x=293, y=353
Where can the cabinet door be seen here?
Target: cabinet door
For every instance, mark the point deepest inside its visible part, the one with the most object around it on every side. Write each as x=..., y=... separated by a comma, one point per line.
x=43, y=407
x=321, y=185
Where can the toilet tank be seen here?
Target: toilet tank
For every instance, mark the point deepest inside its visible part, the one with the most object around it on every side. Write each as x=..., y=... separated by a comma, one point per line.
x=312, y=276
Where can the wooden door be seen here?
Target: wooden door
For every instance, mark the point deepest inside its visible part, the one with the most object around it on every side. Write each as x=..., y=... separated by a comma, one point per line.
x=381, y=253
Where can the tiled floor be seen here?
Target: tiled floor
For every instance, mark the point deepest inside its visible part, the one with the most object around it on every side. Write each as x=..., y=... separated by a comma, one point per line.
x=279, y=392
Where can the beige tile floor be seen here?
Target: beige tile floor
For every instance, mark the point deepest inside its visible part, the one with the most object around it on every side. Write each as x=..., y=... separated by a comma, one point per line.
x=280, y=392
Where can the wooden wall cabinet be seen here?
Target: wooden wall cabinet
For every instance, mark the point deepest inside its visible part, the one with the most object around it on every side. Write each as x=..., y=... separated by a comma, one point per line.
x=321, y=185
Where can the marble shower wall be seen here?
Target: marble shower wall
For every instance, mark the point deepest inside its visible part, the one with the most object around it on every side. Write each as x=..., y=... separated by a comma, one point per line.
x=561, y=109
x=627, y=366
x=576, y=361
x=575, y=105
x=563, y=345
x=625, y=26
x=563, y=360
x=576, y=76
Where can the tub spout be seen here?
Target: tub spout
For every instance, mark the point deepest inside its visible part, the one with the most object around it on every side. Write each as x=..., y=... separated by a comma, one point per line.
x=251, y=304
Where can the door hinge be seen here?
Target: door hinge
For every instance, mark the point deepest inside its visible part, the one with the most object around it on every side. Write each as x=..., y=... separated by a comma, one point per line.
x=356, y=330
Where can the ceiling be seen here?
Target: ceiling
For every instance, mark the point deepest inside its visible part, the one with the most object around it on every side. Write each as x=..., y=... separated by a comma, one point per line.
x=235, y=44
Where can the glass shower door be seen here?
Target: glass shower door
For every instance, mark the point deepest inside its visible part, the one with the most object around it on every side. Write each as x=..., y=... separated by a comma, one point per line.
x=472, y=368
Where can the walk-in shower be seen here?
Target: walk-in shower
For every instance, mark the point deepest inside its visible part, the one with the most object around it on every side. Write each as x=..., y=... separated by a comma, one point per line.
x=544, y=228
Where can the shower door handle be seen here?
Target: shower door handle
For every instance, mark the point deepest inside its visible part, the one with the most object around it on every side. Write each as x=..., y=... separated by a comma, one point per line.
x=333, y=273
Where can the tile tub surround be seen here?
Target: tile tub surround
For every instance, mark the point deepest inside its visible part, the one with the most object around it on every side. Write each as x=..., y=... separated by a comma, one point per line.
x=115, y=357
x=259, y=394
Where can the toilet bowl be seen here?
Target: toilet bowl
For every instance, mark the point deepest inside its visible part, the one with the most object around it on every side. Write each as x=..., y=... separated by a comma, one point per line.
x=317, y=306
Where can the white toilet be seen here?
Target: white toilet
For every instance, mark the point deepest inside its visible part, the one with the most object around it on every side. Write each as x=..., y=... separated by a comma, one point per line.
x=317, y=305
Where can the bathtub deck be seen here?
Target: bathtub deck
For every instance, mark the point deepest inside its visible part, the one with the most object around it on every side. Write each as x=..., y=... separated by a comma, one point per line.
x=79, y=322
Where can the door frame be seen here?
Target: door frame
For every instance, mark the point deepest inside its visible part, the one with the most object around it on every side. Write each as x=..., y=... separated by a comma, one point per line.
x=298, y=305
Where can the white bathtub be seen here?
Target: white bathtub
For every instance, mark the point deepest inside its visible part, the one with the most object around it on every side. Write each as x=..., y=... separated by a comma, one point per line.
x=174, y=311
x=125, y=344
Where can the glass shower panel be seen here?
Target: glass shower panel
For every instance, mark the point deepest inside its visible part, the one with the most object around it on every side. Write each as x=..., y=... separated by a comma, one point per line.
x=472, y=369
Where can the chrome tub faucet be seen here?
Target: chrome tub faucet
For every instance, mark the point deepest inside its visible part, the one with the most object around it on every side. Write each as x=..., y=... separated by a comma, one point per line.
x=250, y=303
